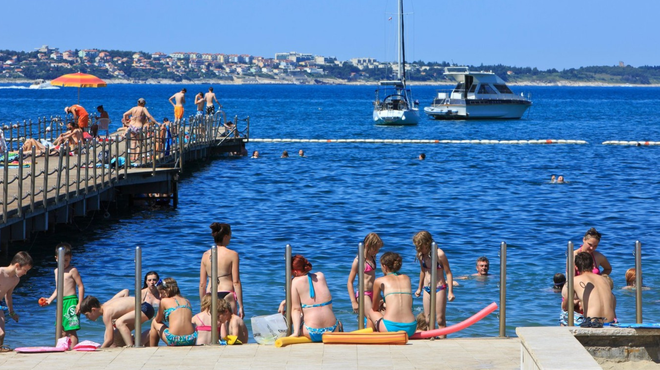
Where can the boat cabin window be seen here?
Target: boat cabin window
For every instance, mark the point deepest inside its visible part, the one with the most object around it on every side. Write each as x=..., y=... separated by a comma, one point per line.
x=486, y=89
x=502, y=88
x=473, y=88
x=460, y=87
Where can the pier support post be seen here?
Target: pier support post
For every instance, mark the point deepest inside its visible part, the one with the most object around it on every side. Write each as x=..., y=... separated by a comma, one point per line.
x=503, y=289
x=361, y=266
x=60, y=293
x=570, y=272
x=214, y=295
x=287, y=262
x=432, y=285
x=638, y=281
x=138, y=297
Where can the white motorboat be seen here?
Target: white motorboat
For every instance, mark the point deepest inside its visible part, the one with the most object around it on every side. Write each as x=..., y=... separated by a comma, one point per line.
x=397, y=106
x=41, y=84
x=478, y=95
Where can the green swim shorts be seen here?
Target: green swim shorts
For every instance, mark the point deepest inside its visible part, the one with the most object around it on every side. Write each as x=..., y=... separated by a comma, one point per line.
x=70, y=321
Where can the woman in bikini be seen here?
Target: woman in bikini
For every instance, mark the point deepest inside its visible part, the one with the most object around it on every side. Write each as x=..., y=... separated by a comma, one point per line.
x=372, y=244
x=202, y=321
x=150, y=292
x=444, y=287
x=397, y=293
x=229, y=281
x=137, y=118
x=311, y=301
x=173, y=323
x=590, y=242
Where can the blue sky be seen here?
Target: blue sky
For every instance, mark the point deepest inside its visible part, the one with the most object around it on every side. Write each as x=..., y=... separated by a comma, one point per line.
x=525, y=33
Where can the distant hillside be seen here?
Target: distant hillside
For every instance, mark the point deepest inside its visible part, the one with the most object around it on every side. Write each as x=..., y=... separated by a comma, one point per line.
x=144, y=67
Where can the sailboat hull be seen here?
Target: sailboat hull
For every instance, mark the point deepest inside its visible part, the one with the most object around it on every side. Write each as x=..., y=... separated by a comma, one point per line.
x=391, y=117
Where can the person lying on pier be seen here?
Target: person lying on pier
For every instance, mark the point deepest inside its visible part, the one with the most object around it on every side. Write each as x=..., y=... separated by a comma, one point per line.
x=118, y=317
x=71, y=137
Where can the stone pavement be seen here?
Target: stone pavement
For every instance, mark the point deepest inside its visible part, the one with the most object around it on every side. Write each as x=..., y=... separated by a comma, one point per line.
x=463, y=353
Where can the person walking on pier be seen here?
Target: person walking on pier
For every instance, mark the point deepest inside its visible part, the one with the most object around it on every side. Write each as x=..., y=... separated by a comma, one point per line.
x=179, y=100
x=210, y=97
x=9, y=277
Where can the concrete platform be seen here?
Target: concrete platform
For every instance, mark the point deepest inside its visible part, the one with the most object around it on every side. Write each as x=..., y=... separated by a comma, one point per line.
x=477, y=353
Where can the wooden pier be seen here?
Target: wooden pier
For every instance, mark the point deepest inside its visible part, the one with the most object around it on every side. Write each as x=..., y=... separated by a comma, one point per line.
x=38, y=190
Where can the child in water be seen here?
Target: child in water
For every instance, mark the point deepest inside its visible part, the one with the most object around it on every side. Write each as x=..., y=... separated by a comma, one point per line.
x=372, y=244
x=443, y=287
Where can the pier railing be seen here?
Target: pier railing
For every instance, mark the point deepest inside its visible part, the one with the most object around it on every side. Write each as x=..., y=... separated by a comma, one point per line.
x=36, y=174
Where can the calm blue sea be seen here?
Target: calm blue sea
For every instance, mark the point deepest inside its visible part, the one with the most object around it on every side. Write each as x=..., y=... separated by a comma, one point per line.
x=470, y=197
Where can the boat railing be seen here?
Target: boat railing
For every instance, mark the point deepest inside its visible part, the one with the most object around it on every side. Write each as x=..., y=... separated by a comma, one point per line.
x=35, y=177
x=444, y=97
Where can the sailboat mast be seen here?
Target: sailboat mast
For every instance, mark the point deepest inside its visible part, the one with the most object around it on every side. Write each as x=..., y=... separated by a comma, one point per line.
x=401, y=72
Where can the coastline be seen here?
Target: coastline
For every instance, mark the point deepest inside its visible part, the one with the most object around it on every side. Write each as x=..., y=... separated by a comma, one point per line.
x=337, y=82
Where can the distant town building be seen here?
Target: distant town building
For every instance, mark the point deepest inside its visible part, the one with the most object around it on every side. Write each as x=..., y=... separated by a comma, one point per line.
x=88, y=53
x=294, y=57
x=622, y=64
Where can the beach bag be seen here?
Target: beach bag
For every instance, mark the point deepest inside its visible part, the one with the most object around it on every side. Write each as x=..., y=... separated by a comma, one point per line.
x=104, y=157
x=267, y=329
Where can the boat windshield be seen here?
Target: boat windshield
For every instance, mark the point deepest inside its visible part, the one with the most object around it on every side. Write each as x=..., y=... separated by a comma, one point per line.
x=502, y=88
x=486, y=89
x=460, y=87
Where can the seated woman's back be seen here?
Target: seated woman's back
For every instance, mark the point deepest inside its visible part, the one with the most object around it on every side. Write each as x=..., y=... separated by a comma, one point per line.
x=397, y=294
x=178, y=313
x=317, y=310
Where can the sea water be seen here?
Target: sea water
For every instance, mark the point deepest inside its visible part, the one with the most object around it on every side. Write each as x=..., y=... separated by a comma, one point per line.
x=470, y=197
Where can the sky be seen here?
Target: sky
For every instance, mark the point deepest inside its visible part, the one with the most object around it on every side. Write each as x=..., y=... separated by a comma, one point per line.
x=557, y=34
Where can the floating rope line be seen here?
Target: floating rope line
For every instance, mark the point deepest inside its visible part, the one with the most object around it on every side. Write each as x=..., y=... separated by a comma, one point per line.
x=633, y=143
x=398, y=141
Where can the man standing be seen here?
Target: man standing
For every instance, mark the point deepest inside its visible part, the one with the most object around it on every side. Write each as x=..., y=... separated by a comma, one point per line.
x=179, y=100
x=80, y=115
x=593, y=291
x=210, y=97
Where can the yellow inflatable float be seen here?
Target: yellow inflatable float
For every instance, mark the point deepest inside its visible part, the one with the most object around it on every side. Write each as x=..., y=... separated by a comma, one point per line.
x=282, y=342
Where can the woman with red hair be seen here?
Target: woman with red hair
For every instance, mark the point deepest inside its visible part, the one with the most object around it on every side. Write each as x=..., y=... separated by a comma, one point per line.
x=311, y=301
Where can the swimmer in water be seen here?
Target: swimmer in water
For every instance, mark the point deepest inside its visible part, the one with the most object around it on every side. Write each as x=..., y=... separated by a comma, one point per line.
x=590, y=242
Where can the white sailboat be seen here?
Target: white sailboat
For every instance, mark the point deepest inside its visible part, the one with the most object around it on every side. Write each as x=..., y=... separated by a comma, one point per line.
x=397, y=106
